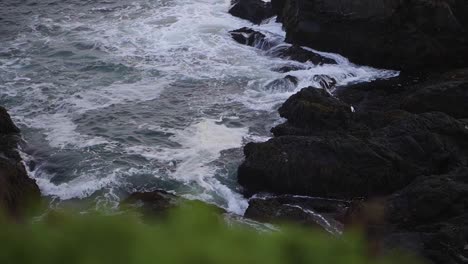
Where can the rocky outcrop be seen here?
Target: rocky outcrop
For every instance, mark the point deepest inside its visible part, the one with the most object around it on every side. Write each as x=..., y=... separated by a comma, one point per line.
x=400, y=145
x=17, y=190
x=250, y=37
x=326, y=149
x=253, y=10
x=394, y=34
x=382, y=141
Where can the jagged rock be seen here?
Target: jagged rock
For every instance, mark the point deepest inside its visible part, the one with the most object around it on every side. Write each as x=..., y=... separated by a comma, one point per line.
x=253, y=10
x=315, y=108
x=325, y=149
x=6, y=124
x=301, y=55
x=250, y=37
x=18, y=192
x=409, y=35
x=446, y=93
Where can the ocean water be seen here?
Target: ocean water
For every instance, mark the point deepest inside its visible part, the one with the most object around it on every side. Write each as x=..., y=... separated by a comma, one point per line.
x=119, y=96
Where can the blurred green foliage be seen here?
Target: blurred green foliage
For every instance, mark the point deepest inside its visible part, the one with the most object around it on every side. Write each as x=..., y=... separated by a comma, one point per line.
x=188, y=235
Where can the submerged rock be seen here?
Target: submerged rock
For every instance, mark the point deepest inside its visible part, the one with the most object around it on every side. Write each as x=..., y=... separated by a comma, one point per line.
x=409, y=35
x=286, y=84
x=253, y=10
x=250, y=37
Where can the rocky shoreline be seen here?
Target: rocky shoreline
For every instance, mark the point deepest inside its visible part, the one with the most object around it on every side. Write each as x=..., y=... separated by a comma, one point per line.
x=394, y=153
x=17, y=191
x=388, y=156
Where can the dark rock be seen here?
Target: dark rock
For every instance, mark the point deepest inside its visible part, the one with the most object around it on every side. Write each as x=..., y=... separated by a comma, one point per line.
x=429, y=199
x=446, y=93
x=309, y=211
x=395, y=34
x=6, y=124
x=325, y=149
x=342, y=167
x=326, y=82
x=250, y=37
x=18, y=192
x=449, y=96
x=288, y=68
x=286, y=84
x=316, y=108
x=301, y=55
x=253, y=10
x=427, y=218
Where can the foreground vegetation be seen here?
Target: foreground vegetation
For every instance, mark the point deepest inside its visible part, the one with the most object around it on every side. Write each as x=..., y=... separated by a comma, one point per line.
x=187, y=235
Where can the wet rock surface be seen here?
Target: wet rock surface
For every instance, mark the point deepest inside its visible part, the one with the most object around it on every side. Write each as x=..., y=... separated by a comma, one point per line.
x=17, y=190
x=250, y=37
x=253, y=10
x=273, y=47
x=314, y=212
x=300, y=54
x=396, y=150
x=368, y=141
x=406, y=35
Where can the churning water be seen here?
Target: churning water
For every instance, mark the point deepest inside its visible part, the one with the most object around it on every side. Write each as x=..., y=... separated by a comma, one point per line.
x=119, y=96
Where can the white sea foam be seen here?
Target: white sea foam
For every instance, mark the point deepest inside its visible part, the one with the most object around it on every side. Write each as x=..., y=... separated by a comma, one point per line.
x=200, y=145
x=128, y=53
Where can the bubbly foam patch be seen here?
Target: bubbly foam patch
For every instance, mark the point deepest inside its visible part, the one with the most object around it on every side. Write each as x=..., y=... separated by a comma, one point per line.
x=200, y=145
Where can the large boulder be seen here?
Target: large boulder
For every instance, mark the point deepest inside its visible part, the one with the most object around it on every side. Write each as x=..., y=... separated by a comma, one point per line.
x=250, y=37
x=326, y=149
x=447, y=92
x=395, y=34
x=300, y=54
x=253, y=10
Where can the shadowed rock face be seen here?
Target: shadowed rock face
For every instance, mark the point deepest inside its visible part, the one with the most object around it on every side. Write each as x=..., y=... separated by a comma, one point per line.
x=6, y=124
x=395, y=34
x=325, y=149
x=17, y=190
x=401, y=145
